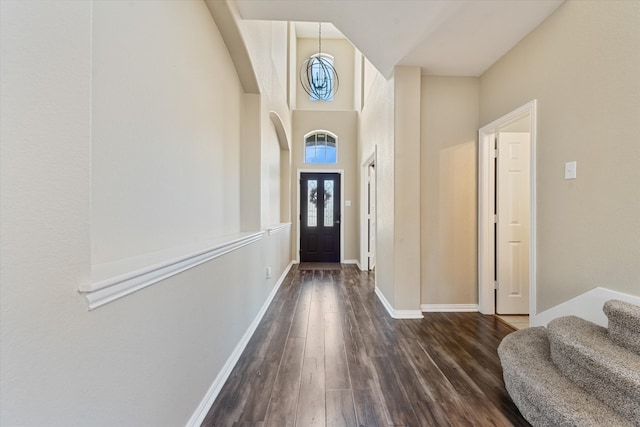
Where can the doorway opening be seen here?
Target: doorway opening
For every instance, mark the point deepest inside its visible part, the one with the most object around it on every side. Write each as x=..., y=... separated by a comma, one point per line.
x=320, y=225
x=371, y=217
x=506, y=213
x=368, y=222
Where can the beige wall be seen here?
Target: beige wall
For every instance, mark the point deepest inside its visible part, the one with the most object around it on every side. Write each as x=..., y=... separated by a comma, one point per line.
x=406, y=156
x=448, y=189
x=271, y=176
x=140, y=143
x=390, y=127
x=263, y=161
x=265, y=42
x=280, y=54
x=376, y=135
x=370, y=75
x=521, y=125
x=583, y=66
x=292, y=83
x=161, y=347
x=344, y=125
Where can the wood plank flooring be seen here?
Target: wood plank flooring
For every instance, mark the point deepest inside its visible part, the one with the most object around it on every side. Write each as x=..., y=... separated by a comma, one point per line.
x=327, y=354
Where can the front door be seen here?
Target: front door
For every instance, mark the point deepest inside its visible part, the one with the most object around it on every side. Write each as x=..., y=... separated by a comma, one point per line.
x=320, y=217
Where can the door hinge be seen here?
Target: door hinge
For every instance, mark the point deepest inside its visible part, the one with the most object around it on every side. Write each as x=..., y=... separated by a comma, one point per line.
x=495, y=153
x=495, y=284
x=495, y=219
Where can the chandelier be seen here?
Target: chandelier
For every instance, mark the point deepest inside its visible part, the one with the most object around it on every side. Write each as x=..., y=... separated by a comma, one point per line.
x=317, y=74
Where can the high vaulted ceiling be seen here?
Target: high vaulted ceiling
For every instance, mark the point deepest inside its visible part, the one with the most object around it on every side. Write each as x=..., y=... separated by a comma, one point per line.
x=443, y=37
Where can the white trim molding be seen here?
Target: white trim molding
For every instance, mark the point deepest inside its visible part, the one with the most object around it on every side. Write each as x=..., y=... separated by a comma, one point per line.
x=278, y=228
x=112, y=281
x=398, y=314
x=448, y=308
x=587, y=306
x=486, y=179
x=211, y=395
x=371, y=159
x=352, y=261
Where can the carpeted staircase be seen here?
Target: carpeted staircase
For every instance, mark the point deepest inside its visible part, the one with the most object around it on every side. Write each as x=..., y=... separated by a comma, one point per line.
x=576, y=373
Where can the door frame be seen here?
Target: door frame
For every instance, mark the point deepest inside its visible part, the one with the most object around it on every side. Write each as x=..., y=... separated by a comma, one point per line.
x=486, y=198
x=364, y=235
x=342, y=216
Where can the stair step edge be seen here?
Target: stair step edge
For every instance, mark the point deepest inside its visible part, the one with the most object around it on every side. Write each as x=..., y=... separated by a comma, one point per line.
x=624, y=324
x=623, y=312
x=541, y=392
x=592, y=342
x=583, y=352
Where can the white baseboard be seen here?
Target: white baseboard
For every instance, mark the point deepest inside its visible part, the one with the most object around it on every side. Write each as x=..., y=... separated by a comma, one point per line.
x=398, y=314
x=587, y=306
x=448, y=308
x=206, y=403
x=352, y=261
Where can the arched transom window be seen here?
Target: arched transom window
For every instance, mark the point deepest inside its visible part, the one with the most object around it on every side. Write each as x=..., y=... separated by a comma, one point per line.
x=320, y=147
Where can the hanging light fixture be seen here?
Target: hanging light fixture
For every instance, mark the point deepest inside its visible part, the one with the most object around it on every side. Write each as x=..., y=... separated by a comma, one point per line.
x=317, y=74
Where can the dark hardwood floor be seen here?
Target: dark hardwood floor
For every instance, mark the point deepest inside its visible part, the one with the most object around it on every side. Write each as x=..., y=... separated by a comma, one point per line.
x=327, y=354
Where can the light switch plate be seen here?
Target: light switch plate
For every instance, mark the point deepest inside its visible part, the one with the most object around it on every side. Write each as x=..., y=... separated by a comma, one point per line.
x=570, y=170
x=347, y=203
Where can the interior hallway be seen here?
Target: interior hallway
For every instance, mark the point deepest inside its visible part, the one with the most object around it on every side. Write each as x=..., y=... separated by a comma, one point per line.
x=327, y=354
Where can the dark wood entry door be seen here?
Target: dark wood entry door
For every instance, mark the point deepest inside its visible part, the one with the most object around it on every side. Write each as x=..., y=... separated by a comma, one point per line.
x=320, y=217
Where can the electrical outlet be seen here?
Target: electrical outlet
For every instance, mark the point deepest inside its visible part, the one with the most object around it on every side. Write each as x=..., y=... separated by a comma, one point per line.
x=268, y=272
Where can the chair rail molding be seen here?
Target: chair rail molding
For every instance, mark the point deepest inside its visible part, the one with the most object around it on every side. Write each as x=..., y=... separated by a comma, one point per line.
x=115, y=280
x=278, y=228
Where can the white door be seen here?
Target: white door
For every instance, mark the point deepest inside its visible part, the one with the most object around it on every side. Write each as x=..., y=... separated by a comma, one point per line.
x=371, y=212
x=512, y=231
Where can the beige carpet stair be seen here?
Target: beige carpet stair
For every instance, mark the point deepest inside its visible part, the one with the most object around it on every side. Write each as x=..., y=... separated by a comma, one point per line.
x=574, y=373
x=583, y=352
x=624, y=324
